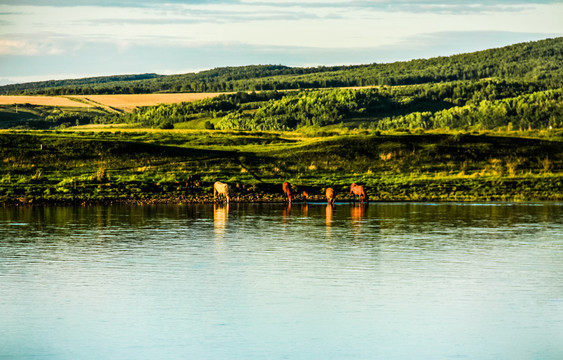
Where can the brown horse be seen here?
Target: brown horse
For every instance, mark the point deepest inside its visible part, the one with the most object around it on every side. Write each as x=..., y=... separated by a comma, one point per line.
x=286, y=187
x=359, y=190
x=305, y=196
x=329, y=196
x=221, y=188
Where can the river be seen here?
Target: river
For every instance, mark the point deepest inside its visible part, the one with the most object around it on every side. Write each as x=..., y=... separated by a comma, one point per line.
x=264, y=281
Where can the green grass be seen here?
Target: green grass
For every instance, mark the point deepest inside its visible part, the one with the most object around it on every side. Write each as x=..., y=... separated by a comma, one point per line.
x=147, y=166
x=26, y=116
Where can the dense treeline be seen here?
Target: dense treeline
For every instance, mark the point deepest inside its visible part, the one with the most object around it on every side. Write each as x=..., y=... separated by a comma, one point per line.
x=55, y=86
x=219, y=79
x=540, y=110
x=483, y=104
x=540, y=62
x=164, y=116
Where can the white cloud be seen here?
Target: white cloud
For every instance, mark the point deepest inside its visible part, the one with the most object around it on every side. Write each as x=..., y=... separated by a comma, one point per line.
x=28, y=47
x=333, y=26
x=295, y=25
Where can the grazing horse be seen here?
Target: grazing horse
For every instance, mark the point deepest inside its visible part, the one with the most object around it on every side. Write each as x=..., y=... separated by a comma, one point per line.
x=305, y=196
x=329, y=196
x=359, y=190
x=221, y=188
x=287, y=190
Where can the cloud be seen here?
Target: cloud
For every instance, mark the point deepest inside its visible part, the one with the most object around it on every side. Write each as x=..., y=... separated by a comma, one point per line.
x=29, y=48
x=296, y=32
x=291, y=25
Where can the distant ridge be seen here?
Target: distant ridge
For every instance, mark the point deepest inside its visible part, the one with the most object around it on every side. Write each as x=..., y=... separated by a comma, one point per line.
x=538, y=61
x=81, y=81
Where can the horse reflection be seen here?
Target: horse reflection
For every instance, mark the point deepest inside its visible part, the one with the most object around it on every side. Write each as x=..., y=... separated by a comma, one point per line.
x=286, y=213
x=220, y=219
x=357, y=213
x=305, y=210
x=329, y=212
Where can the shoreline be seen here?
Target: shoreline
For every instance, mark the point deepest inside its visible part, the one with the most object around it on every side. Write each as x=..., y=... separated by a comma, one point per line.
x=33, y=202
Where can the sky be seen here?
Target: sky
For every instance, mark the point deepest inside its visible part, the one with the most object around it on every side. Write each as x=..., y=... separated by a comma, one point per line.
x=61, y=39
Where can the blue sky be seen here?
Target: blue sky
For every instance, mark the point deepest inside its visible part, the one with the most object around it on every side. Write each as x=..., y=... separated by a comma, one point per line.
x=57, y=39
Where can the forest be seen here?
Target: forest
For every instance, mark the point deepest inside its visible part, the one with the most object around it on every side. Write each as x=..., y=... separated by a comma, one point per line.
x=484, y=126
x=539, y=62
x=515, y=87
x=467, y=105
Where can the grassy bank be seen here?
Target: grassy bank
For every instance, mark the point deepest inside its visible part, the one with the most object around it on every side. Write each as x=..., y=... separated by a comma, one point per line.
x=152, y=166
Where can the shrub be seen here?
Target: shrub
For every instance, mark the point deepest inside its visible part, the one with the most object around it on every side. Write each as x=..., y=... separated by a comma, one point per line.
x=166, y=125
x=101, y=175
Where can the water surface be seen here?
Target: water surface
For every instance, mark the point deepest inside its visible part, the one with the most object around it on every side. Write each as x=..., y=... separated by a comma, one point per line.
x=387, y=281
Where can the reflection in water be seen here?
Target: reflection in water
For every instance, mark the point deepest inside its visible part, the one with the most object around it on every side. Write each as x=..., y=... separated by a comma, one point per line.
x=390, y=281
x=220, y=218
x=286, y=213
x=357, y=213
x=329, y=210
x=305, y=209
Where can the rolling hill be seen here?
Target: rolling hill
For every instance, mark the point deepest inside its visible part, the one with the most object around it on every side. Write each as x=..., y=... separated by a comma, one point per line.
x=539, y=61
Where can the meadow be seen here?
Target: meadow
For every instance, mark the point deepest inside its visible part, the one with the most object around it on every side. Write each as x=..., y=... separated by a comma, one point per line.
x=146, y=166
x=483, y=126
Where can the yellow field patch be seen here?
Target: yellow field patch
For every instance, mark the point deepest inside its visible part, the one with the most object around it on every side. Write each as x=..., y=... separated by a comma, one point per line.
x=128, y=102
x=41, y=100
x=124, y=102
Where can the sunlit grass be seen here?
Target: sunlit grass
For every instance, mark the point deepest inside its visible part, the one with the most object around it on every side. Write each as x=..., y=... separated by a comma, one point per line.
x=121, y=164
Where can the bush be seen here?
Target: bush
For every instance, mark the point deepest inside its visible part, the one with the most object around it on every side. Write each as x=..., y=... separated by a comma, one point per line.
x=166, y=125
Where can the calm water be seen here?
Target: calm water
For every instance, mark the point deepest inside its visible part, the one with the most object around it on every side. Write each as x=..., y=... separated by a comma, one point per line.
x=387, y=281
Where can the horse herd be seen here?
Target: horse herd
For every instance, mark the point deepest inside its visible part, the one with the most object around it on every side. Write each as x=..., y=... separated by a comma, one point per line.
x=220, y=188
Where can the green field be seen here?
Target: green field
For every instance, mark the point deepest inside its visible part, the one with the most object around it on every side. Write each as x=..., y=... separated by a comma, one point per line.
x=29, y=116
x=137, y=166
x=482, y=126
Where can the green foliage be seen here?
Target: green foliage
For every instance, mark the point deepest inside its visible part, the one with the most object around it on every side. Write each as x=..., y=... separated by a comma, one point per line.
x=165, y=125
x=485, y=104
x=516, y=87
x=26, y=116
x=539, y=110
x=211, y=107
x=149, y=166
x=539, y=61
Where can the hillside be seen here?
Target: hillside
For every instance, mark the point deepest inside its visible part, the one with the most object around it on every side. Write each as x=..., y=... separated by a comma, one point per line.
x=139, y=166
x=518, y=87
x=540, y=61
x=45, y=87
x=463, y=105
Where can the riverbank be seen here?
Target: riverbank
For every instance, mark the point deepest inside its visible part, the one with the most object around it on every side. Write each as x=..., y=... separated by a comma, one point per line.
x=64, y=167
x=451, y=190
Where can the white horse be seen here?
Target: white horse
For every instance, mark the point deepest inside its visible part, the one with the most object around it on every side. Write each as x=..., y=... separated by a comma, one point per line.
x=221, y=188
